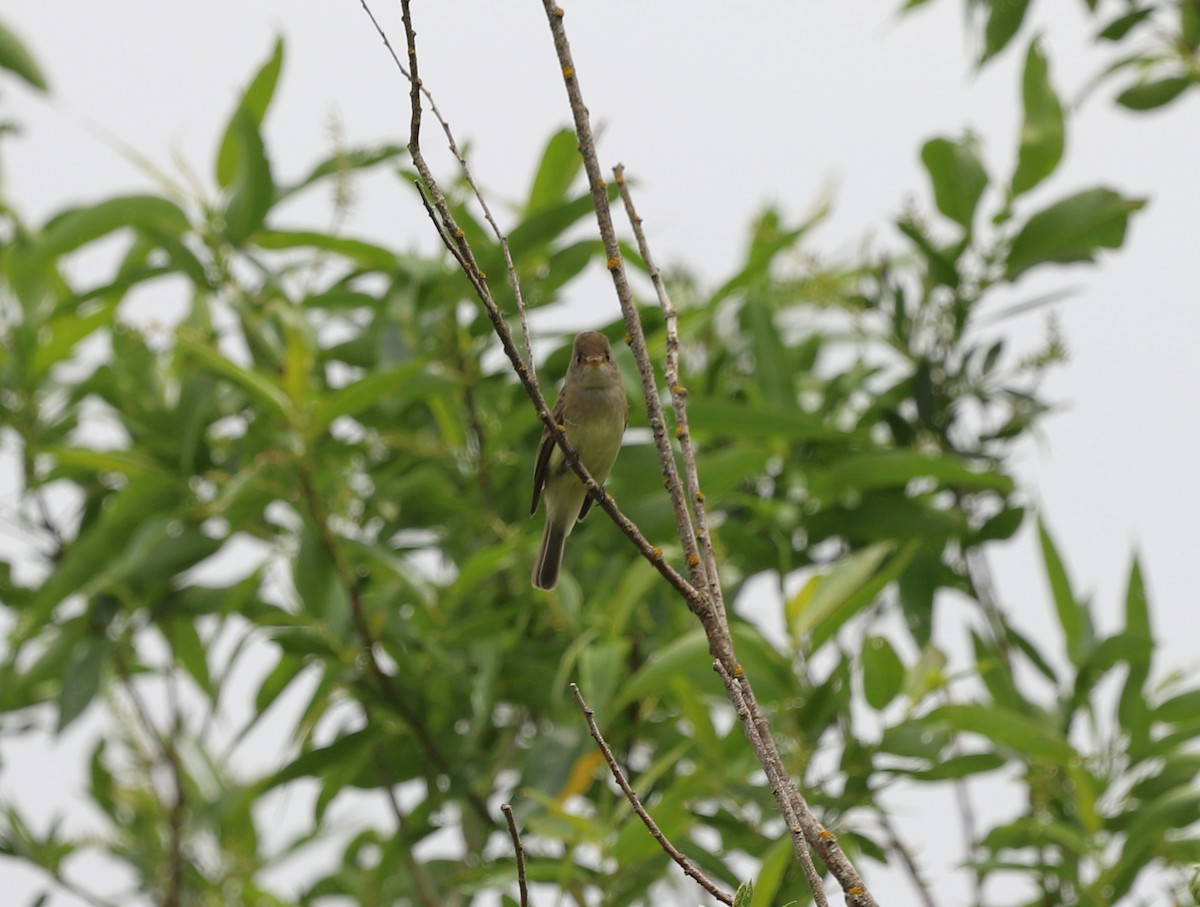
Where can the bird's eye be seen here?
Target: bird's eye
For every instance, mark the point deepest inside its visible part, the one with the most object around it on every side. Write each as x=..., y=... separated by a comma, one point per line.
x=579, y=358
x=607, y=357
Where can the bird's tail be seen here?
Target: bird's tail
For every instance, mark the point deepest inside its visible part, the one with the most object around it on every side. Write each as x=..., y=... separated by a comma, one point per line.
x=549, y=559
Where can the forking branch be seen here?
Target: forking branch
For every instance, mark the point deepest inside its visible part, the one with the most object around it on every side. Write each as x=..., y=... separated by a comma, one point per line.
x=702, y=593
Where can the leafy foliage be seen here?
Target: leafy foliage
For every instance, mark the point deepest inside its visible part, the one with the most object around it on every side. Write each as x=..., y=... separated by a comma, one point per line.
x=317, y=470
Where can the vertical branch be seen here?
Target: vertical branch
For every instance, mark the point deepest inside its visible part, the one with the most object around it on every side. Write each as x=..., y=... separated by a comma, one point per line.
x=522, y=885
x=415, y=125
x=700, y=536
x=781, y=786
x=168, y=755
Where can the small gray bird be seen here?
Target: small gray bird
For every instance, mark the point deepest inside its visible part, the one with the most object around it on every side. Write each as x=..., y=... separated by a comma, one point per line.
x=593, y=411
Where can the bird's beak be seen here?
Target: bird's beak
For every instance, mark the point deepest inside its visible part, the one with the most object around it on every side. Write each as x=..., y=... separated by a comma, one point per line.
x=594, y=361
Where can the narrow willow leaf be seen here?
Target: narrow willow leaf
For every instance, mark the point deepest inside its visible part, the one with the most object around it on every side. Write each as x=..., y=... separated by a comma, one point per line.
x=1043, y=132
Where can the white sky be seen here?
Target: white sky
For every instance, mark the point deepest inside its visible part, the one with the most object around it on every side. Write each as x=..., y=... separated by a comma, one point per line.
x=715, y=108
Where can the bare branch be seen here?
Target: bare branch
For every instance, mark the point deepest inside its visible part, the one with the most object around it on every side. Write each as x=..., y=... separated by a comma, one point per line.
x=781, y=785
x=501, y=238
x=707, y=573
x=522, y=885
x=689, y=869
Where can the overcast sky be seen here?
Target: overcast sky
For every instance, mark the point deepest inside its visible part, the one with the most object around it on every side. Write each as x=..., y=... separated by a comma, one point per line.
x=716, y=109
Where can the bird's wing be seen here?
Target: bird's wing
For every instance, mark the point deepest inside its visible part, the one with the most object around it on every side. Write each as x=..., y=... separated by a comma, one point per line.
x=545, y=449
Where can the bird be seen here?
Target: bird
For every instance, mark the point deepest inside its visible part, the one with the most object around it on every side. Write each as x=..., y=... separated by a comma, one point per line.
x=593, y=412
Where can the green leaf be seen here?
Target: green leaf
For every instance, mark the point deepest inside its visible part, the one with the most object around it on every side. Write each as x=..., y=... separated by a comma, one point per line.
x=883, y=672
x=343, y=162
x=368, y=255
x=1132, y=711
x=821, y=597
x=742, y=897
x=1184, y=707
x=964, y=766
x=1042, y=133
x=1003, y=525
x=688, y=657
x=1072, y=229
x=560, y=165
x=80, y=226
x=252, y=190
x=713, y=417
x=775, y=864
x=16, y=59
x=405, y=382
x=99, y=546
x=1152, y=95
x=1119, y=27
x=892, y=469
x=1004, y=21
x=917, y=587
x=253, y=104
x=265, y=390
x=81, y=682
x=1019, y=734
x=1073, y=615
x=189, y=650
x=771, y=369
x=98, y=462
x=958, y=177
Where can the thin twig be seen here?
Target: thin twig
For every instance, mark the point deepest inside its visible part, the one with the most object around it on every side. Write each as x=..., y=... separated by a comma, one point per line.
x=501, y=238
x=420, y=876
x=907, y=861
x=522, y=885
x=706, y=559
x=689, y=869
x=167, y=753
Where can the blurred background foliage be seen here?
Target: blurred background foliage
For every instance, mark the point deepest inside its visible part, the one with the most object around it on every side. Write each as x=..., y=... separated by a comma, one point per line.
x=277, y=476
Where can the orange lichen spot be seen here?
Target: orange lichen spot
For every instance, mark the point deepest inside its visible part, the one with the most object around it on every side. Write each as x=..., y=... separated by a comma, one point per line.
x=568, y=72
x=700, y=496
x=603, y=185
x=856, y=891
x=561, y=426
x=558, y=11
x=679, y=432
x=693, y=560
x=679, y=390
x=739, y=671
x=657, y=554
x=827, y=835
x=628, y=339
x=614, y=262
x=459, y=233
x=521, y=367
x=483, y=275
